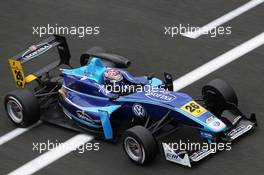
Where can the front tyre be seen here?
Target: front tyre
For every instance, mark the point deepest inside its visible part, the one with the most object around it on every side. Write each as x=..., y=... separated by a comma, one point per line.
x=22, y=107
x=218, y=94
x=139, y=145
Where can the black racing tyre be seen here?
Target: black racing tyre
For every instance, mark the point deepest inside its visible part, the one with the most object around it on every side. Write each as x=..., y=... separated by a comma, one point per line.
x=22, y=107
x=139, y=145
x=218, y=94
x=85, y=57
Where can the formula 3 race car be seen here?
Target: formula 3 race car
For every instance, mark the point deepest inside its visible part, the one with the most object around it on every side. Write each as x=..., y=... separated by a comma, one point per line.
x=77, y=98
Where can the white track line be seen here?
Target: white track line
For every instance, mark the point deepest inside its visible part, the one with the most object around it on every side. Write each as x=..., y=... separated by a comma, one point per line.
x=223, y=19
x=219, y=62
x=52, y=155
x=14, y=133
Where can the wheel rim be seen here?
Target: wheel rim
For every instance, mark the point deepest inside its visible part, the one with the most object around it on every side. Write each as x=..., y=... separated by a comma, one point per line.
x=14, y=110
x=134, y=150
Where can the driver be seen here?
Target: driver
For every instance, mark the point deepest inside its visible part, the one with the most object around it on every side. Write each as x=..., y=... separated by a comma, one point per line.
x=114, y=80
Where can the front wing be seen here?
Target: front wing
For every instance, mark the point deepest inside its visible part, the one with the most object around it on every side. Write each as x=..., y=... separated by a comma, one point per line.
x=186, y=159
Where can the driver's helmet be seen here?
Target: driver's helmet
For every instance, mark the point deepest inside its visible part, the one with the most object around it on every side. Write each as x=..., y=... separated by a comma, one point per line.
x=113, y=76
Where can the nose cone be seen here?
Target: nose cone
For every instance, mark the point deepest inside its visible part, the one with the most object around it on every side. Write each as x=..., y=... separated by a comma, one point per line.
x=216, y=125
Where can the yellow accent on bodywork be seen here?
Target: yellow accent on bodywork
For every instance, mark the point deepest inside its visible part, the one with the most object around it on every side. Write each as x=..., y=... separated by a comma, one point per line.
x=30, y=78
x=17, y=72
x=209, y=119
x=193, y=108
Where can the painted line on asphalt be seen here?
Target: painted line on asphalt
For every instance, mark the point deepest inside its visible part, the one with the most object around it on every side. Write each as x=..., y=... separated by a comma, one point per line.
x=219, y=62
x=14, y=133
x=50, y=156
x=223, y=19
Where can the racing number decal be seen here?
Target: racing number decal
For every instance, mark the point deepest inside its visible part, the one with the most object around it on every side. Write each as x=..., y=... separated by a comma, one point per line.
x=193, y=108
x=18, y=73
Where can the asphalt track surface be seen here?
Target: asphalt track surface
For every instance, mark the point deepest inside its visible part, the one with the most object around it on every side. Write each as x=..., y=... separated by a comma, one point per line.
x=135, y=29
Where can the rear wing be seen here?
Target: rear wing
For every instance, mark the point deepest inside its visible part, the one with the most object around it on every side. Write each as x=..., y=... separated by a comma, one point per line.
x=16, y=62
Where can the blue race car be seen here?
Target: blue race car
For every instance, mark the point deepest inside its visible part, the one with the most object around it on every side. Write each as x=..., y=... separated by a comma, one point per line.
x=103, y=98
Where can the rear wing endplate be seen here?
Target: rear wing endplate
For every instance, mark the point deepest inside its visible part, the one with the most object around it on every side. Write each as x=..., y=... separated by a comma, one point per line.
x=16, y=62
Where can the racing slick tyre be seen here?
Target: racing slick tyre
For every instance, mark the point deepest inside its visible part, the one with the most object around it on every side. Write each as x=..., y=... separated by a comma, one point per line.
x=85, y=57
x=22, y=107
x=218, y=94
x=139, y=145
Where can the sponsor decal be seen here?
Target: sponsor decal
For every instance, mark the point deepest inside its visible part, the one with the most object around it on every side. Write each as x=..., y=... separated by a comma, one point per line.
x=166, y=92
x=209, y=119
x=35, y=50
x=32, y=48
x=139, y=110
x=197, y=156
x=217, y=124
x=206, y=135
x=160, y=96
x=18, y=73
x=84, y=116
x=193, y=108
x=176, y=157
x=238, y=131
x=236, y=120
x=171, y=156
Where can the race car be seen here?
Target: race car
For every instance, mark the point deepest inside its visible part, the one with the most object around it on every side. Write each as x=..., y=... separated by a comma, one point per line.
x=102, y=97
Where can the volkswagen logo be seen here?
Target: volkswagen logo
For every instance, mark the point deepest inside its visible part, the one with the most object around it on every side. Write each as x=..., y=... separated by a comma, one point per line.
x=138, y=110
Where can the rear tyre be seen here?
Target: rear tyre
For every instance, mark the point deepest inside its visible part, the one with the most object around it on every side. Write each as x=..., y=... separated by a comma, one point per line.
x=218, y=94
x=86, y=56
x=22, y=107
x=139, y=145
